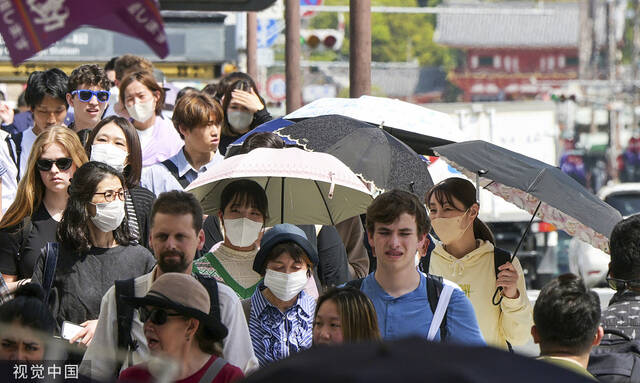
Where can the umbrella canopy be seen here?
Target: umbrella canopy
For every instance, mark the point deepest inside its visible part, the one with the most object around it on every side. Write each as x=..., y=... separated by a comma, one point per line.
x=373, y=154
x=411, y=123
x=30, y=26
x=302, y=187
x=527, y=183
x=410, y=360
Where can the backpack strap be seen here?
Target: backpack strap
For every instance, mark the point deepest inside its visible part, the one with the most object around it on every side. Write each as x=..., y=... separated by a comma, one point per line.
x=50, y=262
x=212, y=288
x=439, y=315
x=17, y=139
x=173, y=169
x=125, y=288
x=213, y=370
x=434, y=287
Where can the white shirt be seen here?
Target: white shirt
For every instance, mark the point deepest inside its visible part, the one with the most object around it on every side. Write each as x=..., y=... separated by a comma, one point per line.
x=9, y=182
x=99, y=359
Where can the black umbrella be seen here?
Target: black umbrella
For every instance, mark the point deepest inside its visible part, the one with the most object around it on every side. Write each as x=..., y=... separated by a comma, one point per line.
x=410, y=360
x=539, y=188
x=375, y=155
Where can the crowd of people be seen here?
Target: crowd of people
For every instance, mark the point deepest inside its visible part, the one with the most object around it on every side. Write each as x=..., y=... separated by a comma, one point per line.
x=99, y=236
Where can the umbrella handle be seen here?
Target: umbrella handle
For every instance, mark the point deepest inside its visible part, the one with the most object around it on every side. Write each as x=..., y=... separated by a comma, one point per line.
x=499, y=288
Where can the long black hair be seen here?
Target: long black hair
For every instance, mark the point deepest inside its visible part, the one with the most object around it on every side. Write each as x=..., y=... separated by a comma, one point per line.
x=73, y=230
x=465, y=192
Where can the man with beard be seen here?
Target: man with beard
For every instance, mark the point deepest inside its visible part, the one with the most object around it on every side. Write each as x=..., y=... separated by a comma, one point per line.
x=176, y=235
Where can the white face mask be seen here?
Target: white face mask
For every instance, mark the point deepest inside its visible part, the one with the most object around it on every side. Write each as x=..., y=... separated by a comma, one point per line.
x=110, y=155
x=285, y=286
x=109, y=215
x=242, y=232
x=142, y=111
x=239, y=120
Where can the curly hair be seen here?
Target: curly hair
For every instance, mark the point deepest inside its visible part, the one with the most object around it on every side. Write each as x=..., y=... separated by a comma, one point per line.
x=90, y=75
x=31, y=189
x=73, y=229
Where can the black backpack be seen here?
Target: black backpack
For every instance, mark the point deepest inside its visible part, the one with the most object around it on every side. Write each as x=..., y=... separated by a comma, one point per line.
x=616, y=360
x=434, y=289
x=126, y=288
x=173, y=169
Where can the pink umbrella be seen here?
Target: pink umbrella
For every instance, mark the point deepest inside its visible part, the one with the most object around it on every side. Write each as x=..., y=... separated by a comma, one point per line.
x=29, y=26
x=302, y=187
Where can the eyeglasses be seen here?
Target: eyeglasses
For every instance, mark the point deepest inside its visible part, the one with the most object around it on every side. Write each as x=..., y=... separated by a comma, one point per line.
x=85, y=95
x=622, y=284
x=110, y=195
x=61, y=164
x=157, y=316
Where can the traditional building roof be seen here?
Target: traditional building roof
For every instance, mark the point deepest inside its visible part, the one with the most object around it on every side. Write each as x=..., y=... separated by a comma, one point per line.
x=499, y=25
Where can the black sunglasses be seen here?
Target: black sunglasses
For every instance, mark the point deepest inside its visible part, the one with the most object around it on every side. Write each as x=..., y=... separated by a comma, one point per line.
x=623, y=285
x=61, y=164
x=85, y=95
x=157, y=316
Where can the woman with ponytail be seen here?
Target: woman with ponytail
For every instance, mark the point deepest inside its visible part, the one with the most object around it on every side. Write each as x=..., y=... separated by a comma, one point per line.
x=465, y=255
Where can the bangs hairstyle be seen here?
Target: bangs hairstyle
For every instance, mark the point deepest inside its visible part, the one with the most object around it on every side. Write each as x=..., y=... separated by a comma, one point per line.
x=293, y=249
x=358, y=317
x=131, y=63
x=52, y=83
x=194, y=110
x=31, y=189
x=624, y=243
x=464, y=191
x=133, y=169
x=388, y=206
x=245, y=193
x=146, y=79
x=73, y=229
x=89, y=75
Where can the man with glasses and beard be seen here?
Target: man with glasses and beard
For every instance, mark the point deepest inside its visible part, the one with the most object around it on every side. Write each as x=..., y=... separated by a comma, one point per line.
x=176, y=236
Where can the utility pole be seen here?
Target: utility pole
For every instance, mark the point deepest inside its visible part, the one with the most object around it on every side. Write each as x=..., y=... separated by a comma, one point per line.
x=611, y=40
x=635, y=61
x=360, y=48
x=584, y=45
x=252, y=45
x=292, y=55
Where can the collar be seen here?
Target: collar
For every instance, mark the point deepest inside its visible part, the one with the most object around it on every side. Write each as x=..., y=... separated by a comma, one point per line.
x=259, y=303
x=184, y=166
x=625, y=296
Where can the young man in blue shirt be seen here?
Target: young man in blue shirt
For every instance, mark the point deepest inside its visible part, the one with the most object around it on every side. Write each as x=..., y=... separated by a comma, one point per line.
x=397, y=226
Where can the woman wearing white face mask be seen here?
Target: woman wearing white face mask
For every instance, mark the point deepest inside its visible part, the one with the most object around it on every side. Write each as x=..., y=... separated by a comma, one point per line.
x=144, y=98
x=466, y=257
x=281, y=312
x=244, y=110
x=114, y=141
x=243, y=212
x=95, y=249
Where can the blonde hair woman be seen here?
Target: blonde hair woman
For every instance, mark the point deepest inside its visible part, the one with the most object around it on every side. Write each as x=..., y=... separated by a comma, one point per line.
x=32, y=219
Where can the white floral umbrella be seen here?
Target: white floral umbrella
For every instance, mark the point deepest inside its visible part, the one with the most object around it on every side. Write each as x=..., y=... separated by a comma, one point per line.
x=302, y=187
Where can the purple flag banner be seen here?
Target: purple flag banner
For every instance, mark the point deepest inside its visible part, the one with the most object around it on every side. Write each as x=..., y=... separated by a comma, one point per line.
x=29, y=26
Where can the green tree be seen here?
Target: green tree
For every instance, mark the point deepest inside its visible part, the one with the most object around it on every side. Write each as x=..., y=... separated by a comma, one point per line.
x=394, y=37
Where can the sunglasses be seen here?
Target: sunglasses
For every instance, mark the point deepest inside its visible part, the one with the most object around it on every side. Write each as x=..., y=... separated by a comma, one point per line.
x=623, y=285
x=156, y=315
x=61, y=164
x=85, y=95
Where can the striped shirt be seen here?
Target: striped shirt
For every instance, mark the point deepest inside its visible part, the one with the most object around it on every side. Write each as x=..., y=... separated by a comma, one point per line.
x=276, y=335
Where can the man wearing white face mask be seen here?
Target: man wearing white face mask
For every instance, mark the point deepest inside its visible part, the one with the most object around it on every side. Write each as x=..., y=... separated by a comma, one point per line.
x=281, y=313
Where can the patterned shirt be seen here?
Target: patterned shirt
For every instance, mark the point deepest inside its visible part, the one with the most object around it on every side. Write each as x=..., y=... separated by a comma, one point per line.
x=5, y=295
x=276, y=335
x=623, y=314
